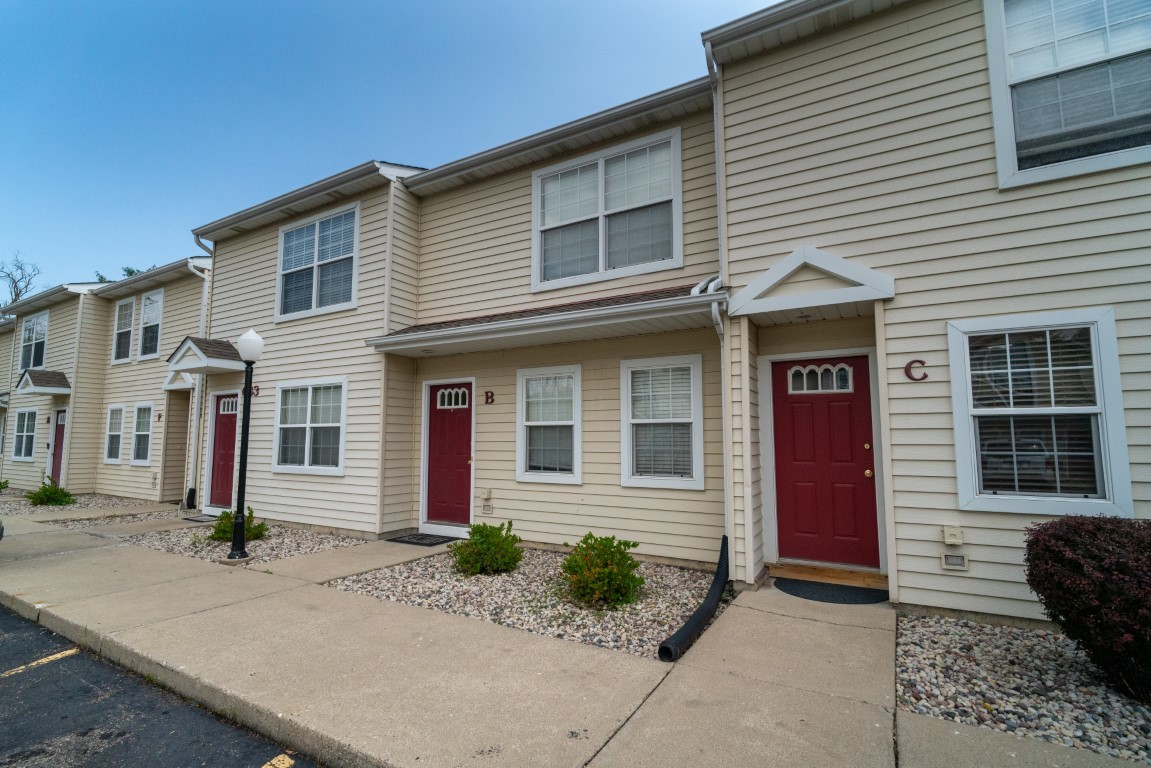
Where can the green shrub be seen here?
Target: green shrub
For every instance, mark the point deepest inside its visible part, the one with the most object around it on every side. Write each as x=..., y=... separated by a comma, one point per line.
x=222, y=530
x=1093, y=576
x=3, y=485
x=50, y=494
x=600, y=572
x=490, y=549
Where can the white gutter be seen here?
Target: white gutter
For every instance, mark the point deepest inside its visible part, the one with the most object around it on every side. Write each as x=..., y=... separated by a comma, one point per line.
x=193, y=473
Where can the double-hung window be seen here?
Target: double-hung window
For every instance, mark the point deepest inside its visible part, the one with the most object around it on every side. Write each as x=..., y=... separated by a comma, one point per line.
x=1039, y=414
x=662, y=422
x=113, y=433
x=548, y=442
x=151, y=311
x=34, y=337
x=122, y=333
x=1071, y=86
x=25, y=442
x=310, y=418
x=318, y=264
x=142, y=435
x=609, y=214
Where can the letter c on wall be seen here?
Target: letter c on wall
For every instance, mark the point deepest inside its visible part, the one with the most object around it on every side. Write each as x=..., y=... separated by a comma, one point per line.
x=911, y=374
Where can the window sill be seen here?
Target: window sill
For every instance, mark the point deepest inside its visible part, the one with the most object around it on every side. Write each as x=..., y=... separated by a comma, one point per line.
x=321, y=471
x=124, y=361
x=304, y=314
x=546, y=477
x=142, y=358
x=25, y=459
x=677, y=483
x=112, y=461
x=1009, y=178
x=1045, y=506
x=141, y=462
x=539, y=286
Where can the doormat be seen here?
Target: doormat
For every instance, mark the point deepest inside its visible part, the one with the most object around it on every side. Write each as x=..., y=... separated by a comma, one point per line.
x=422, y=539
x=201, y=519
x=830, y=593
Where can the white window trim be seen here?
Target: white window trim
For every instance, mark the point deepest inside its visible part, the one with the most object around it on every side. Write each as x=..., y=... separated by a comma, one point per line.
x=292, y=469
x=523, y=474
x=676, y=260
x=159, y=327
x=696, y=481
x=131, y=330
x=16, y=433
x=108, y=434
x=20, y=359
x=1117, y=496
x=314, y=311
x=132, y=451
x=1003, y=118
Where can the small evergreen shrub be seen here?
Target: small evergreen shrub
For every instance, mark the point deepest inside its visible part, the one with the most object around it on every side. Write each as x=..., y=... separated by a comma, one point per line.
x=600, y=572
x=50, y=494
x=1093, y=576
x=490, y=549
x=3, y=485
x=222, y=530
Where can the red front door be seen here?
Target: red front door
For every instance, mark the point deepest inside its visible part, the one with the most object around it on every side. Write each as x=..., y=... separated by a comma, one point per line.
x=223, y=451
x=825, y=461
x=450, y=453
x=58, y=446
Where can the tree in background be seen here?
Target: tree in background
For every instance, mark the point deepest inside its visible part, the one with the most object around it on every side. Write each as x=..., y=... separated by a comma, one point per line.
x=18, y=276
x=128, y=272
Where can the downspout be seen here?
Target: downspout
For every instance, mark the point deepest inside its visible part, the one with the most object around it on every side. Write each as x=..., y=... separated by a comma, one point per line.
x=193, y=476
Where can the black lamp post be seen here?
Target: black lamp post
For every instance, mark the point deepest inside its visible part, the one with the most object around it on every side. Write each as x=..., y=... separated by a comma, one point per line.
x=250, y=346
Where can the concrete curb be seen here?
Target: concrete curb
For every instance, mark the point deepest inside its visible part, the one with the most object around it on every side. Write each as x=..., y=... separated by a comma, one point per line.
x=219, y=700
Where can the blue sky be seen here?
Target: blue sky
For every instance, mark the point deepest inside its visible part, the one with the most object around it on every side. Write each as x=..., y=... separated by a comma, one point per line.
x=123, y=125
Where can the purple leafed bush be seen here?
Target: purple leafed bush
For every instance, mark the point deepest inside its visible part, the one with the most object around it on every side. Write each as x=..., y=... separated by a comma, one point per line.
x=1093, y=576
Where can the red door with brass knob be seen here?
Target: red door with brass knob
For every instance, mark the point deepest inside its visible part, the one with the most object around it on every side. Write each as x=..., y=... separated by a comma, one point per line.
x=825, y=461
x=449, y=481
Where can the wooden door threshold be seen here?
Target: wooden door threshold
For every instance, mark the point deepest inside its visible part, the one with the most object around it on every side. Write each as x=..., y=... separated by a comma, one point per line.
x=829, y=574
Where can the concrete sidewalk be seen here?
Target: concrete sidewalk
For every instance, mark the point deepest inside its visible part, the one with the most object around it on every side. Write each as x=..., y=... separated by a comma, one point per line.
x=361, y=682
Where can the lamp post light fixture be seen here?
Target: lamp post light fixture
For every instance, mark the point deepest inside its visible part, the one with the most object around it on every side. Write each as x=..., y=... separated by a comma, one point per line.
x=250, y=346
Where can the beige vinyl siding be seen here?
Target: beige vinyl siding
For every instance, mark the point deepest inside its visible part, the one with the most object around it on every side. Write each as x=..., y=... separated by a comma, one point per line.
x=141, y=381
x=302, y=349
x=874, y=142
x=404, y=295
x=7, y=335
x=675, y=523
x=59, y=355
x=399, y=477
x=85, y=431
x=476, y=252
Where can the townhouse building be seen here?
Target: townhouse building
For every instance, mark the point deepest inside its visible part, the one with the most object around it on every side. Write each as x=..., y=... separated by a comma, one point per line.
x=91, y=405
x=871, y=297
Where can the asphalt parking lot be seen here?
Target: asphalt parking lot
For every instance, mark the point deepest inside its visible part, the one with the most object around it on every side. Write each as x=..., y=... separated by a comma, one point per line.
x=62, y=707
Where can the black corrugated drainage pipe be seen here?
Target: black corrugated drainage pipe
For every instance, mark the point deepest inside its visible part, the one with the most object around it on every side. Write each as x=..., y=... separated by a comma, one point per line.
x=676, y=645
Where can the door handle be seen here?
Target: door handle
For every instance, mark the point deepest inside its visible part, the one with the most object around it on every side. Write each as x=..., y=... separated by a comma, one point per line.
x=867, y=473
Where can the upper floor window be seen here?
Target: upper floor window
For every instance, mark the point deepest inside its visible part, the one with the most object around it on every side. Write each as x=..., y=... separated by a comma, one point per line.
x=318, y=264
x=613, y=213
x=34, y=337
x=1071, y=86
x=122, y=334
x=151, y=311
x=1039, y=414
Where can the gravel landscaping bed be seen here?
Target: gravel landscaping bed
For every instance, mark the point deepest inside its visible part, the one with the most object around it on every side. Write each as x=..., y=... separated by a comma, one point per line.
x=1031, y=682
x=280, y=542
x=532, y=598
x=13, y=503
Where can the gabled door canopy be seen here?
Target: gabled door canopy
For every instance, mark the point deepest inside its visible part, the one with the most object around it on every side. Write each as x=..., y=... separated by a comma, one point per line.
x=867, y=284
x=204, y=356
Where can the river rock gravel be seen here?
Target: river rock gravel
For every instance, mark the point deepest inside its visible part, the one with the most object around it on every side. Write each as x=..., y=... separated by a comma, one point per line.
x=279, y=542
x=1027, y=681
x=13, y=503
x=82, y=523
x=532, y=598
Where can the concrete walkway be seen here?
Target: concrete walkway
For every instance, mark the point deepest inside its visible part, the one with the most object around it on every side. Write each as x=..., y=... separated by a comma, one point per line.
x=361, y=682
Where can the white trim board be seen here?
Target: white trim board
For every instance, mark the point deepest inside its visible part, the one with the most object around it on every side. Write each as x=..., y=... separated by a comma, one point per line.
x=869, y=285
